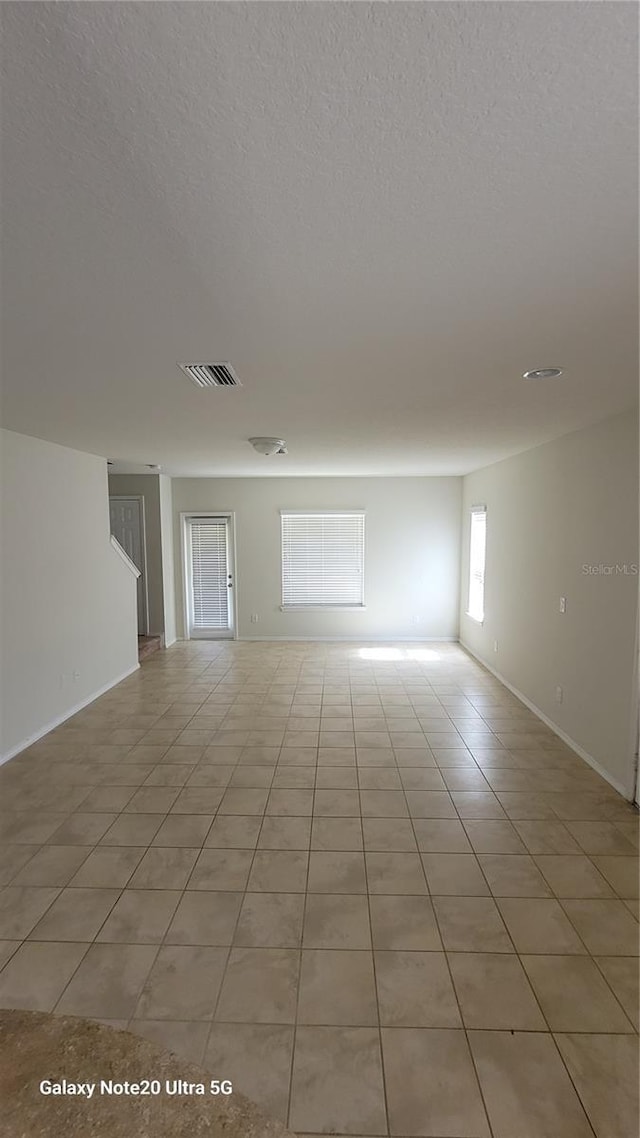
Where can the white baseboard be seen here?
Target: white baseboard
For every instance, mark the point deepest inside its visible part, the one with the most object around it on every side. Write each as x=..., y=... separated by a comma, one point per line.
x=353, y=639
x=168, y=643
x=41, y=732
x=580, y=751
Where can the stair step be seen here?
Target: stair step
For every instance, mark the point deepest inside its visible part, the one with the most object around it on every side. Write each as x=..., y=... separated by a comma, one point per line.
x=147, y=645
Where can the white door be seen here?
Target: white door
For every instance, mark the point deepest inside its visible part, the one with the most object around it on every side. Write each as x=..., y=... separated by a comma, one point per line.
x=127, y=526
x=209, y=572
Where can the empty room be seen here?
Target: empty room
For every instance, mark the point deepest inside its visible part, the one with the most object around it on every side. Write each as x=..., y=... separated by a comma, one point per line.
x=319, y=577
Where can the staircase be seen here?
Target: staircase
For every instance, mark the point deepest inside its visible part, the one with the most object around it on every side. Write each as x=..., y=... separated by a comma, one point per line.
x=147, y=645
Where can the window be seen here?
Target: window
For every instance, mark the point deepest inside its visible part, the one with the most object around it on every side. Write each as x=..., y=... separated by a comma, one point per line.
x=322, y=560
x=477, y=554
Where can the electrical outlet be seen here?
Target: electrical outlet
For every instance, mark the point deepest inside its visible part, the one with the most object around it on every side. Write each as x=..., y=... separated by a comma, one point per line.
x=563, y=604
x=495, y=646
x=254, y=618
x=559, y=694
x=417, y=619
x=75, y=676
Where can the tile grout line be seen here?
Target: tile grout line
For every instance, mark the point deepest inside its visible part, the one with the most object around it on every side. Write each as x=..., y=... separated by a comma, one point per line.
x=299, y=984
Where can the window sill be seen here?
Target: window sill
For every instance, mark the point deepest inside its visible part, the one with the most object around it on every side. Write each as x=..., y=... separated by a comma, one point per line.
x=323, y=608
x=475, y=619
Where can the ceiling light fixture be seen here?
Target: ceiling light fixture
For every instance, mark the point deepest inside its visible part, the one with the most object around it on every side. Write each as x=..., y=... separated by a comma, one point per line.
x=543, y=373
x=269, y=445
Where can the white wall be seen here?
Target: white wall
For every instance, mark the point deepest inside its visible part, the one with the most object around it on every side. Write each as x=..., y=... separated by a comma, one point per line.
x=551, y=511
x=412, y=536
x=168, y=572
x=68, y=601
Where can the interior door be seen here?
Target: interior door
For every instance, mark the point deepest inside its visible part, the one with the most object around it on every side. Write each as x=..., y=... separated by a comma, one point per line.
x=127, y=526
x=210, y=608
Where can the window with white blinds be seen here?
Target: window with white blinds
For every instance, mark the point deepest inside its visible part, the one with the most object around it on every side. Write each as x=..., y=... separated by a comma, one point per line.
x=208, y=554
x=323, y=559
x=477, y=556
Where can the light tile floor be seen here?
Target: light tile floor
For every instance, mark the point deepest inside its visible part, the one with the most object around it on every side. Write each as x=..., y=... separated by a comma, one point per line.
x=365, y=883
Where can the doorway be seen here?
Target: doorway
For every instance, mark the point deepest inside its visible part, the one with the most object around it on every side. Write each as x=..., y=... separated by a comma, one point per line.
x=126, y=516
x=209, y=576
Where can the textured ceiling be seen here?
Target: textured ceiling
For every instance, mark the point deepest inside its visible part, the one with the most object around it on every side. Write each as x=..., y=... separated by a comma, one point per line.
x=381, y=214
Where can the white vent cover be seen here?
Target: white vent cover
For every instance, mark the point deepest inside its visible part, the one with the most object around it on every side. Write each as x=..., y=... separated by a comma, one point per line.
x=211, y=375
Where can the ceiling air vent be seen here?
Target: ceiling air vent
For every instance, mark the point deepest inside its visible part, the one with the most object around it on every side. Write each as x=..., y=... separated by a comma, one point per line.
x=211, y=375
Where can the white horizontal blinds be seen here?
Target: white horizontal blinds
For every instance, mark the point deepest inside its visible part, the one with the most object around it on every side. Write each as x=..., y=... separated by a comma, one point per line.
x=209, y=569
x=323, y=559
x=477, y=556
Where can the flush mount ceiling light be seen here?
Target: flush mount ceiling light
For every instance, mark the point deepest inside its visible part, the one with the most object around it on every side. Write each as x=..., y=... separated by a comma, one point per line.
x=543, y=373
x=269, y=446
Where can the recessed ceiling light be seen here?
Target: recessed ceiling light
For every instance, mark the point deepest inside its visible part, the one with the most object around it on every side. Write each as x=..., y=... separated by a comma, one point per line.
x=543, y=373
